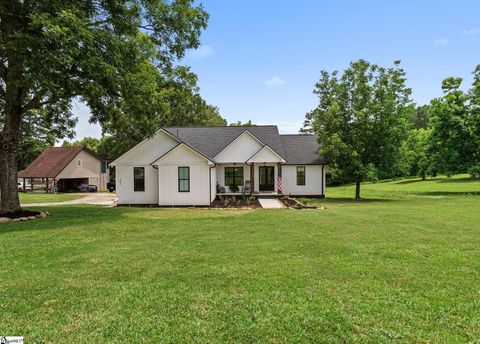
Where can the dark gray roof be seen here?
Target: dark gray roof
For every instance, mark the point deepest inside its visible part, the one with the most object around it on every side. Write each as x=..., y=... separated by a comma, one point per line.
x=301, y=149
x=209, y=141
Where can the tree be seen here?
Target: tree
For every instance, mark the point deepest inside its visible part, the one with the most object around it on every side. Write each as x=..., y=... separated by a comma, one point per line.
x=451, y=144
x=240, y=124
x=361, y=118
x=415, y=159
x=474, y=120
x=88, y=142
x=52, y=51
x=421, y=119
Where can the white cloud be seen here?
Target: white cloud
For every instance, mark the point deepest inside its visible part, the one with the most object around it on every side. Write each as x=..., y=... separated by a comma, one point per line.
x=201, y=52
x=474, y=31
x=275, y=81
x=441, y=42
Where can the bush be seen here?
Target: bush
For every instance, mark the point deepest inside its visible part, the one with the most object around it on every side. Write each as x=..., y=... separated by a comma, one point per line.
x=474, y=171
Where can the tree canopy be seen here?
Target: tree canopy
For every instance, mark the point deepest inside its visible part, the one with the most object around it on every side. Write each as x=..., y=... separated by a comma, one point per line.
x=361, y=118
x=115, y=56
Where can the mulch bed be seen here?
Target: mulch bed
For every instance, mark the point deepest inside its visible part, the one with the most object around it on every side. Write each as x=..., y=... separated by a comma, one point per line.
x=234, y=203
x=23, y=215
x=294, y=204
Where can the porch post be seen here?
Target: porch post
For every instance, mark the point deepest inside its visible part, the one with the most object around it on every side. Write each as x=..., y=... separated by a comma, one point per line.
x=252, y=178
x=279, y=178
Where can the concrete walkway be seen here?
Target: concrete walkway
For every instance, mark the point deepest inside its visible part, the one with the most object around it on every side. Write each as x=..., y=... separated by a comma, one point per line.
x=105, y=199
x=270, y=203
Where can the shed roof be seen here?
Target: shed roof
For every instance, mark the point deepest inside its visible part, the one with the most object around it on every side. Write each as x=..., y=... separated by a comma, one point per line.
x=51, y=162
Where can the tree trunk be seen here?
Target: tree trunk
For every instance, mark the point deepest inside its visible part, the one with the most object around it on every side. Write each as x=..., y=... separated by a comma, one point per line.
x=357, y=190
x=9, y=201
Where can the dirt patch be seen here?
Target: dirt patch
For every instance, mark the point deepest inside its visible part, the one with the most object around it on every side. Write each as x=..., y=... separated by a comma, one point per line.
x=294, y=204
x=235, y=202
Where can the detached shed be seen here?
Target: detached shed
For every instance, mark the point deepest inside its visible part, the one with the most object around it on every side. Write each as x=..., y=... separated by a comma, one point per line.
x=68, y=167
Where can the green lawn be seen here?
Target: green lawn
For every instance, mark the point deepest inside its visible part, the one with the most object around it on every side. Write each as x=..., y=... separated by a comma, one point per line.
x=398, y=268
x=27, y=198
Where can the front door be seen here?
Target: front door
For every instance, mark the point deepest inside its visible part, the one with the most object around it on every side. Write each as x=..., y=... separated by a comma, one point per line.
x=267, y=178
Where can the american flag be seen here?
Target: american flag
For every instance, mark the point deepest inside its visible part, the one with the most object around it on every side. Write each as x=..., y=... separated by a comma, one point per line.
x=279, y=184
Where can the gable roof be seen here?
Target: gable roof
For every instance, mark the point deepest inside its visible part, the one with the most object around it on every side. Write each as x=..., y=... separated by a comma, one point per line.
x=261, y=152
x=209, y=141
x=301, y=149
x=52, y=161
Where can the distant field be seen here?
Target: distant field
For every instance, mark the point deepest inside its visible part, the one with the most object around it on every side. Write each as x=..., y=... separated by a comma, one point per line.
x=28, y=198
x=460, y=184
x=402, y=266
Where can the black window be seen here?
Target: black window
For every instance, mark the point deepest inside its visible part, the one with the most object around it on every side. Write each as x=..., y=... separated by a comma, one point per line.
x=234, y=176
x=184, y=179
x=103, y=167
x=300, y=175
x=139, y=179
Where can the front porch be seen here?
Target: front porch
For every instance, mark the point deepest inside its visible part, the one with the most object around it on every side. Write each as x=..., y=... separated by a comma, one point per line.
x=254, y=179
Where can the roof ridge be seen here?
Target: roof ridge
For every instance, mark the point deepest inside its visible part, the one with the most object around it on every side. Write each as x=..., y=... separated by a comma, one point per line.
x=297, y=134
x=223, y=126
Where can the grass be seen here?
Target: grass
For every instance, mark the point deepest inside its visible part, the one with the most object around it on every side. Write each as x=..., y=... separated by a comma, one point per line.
x=397, y=268
x=29, y=198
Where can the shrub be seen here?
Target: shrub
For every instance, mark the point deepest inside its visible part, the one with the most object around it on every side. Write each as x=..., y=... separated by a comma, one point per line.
x=474, y=171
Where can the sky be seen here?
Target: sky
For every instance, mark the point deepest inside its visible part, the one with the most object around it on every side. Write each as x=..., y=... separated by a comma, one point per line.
x=259, y=60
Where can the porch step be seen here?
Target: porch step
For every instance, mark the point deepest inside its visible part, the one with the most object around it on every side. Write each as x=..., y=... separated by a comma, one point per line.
x=270, y=203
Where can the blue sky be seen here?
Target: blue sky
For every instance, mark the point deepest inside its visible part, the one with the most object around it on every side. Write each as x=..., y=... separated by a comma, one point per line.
x=259, y=60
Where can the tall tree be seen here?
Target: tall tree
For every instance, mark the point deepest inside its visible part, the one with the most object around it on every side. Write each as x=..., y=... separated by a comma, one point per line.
x=421, y=119
x=242, y=124
x=451, y=145
x=91, y=143
x=415, y=160
x=53, y=50
x=361, y=118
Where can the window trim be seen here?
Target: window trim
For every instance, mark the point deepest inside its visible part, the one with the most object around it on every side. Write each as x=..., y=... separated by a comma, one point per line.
x=304, y=175
x=233, y=176
x=134, y=179
x=180, y=179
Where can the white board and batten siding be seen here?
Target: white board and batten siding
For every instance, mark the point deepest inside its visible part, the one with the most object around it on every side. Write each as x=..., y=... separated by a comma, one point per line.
x=141, y=156
x=201, y=178
x=239, y=150
x=314, y=179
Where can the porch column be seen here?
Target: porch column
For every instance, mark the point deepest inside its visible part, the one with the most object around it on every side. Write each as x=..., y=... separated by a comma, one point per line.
x=252, y=178
x=279, y=179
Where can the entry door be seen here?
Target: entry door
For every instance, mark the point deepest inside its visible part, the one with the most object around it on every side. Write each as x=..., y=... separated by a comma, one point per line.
x=267, y=178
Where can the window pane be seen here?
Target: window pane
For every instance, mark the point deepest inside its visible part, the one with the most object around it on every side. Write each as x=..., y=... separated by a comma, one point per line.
x=300, y=175
x=139, y=179
x=183, y=172
x=228, y=181
x=183, y=179
x=104, y=167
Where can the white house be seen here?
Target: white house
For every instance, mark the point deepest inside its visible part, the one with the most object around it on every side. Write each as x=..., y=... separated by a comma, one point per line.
x=190, y=166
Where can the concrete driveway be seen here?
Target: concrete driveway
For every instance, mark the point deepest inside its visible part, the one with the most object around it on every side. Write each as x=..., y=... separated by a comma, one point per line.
x=96, y=198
